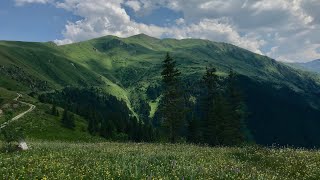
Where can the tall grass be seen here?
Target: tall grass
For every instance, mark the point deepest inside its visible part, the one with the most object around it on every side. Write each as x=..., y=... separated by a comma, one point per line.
x=59, y=160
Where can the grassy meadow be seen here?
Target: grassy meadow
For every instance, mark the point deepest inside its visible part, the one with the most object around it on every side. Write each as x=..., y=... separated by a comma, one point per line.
x=277, y=97
x=60, y=160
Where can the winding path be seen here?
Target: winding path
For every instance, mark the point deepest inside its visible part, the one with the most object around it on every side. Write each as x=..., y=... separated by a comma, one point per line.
x=32, y=107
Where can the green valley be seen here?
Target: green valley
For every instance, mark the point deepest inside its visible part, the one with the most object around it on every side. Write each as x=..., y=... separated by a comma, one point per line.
x=282, y=104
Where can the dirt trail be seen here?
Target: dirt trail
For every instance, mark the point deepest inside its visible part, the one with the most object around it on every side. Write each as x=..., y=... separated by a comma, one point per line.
x=32, y=107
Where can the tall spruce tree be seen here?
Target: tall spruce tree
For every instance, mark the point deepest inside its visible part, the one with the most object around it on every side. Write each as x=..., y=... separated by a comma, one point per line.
x=172, y=107
x=68, y=120
x=222, y=112
x=104, y=129
x=194, y=130
x=237, y=107
x=223, y=115
x=93, y=125
x=107, y=129
x=208, y=109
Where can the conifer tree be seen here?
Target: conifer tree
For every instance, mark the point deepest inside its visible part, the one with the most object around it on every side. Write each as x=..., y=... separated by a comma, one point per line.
x=194, y=130
x=110, y=129
x=68, y=120
x=92, y=123
x=209, y=120
x=237, y=111
x=104, y=129
x=172, y=106
x=147, y=132
x=107, y=129
x=54, y=110
x=64, y=118
x=223, y=115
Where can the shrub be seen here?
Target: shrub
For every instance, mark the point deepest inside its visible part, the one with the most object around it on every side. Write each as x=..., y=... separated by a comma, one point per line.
x=11, y=135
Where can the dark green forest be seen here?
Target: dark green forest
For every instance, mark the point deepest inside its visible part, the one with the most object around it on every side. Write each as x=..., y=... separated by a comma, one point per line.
x=215, y=117
x=106, y=116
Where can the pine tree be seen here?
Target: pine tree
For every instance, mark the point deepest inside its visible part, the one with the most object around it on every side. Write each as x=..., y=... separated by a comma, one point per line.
x=147, y=135
x=92, y=123
x=64, y=118
x=90, y=126
x=54, y=110
x=172, y=106
x=104, y=129
x=222, y=113
x=111, y=130
x=194, y=130
x=237, y=111
x=136, y=133
x=107, y=129
x=208, y=103
x=68, y=120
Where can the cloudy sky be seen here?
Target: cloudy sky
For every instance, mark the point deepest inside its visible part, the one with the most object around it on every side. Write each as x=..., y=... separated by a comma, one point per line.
x=287, y=30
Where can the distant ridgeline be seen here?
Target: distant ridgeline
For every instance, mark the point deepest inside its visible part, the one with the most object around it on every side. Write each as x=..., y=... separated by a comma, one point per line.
x=281, y=103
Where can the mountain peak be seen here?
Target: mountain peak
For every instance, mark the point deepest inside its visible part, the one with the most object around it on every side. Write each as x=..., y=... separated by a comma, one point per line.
x=143, y=36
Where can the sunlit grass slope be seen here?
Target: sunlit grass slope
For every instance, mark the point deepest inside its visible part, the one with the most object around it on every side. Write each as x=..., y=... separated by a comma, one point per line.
x=55, y=160
x=22, y=63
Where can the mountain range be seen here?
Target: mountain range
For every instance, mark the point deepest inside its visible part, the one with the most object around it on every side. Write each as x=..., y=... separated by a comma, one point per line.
x=312, y=66
x=282, y=101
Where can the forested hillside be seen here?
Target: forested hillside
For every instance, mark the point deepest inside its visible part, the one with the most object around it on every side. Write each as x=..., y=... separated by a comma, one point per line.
x=281, y=104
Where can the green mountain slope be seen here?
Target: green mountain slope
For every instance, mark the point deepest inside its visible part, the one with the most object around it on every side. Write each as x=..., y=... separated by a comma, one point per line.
x=282, y=101
x=140, y=56
x=41, y=66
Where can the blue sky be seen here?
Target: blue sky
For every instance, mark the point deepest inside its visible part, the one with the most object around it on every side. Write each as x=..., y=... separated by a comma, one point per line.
x=286, y=30
x=32, y=22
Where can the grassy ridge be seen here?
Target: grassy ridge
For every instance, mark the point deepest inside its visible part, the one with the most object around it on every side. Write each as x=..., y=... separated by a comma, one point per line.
x=40, y=62
x=55, y=160
x=128, y=67
x=134, y=63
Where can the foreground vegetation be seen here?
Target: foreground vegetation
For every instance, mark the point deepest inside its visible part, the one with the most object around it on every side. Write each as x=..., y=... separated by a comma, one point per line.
x=57, y=160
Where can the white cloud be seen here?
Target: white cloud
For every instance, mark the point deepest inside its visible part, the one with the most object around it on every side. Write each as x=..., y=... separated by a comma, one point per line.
x=135, y=5
x=101, y=17
x=218, y=30
x=300, y=45
x=309, y=52
x=283, y=29
x=180, y=21
x=109, y=17
x=63, y=41
x=283, y=24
